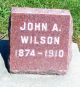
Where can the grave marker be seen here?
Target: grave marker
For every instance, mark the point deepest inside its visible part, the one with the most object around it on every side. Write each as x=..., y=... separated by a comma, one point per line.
x=40, y=40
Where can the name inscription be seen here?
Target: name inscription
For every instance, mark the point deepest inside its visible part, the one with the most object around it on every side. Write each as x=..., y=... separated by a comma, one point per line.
x=39, y=40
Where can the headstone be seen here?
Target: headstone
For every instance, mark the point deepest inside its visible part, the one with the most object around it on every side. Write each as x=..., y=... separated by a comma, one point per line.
x=40, y=40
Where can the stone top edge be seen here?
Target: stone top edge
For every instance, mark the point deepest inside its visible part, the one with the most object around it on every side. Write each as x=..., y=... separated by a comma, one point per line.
x=27, y=10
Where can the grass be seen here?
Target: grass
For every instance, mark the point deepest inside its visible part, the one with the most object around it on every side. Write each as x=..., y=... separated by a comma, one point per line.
x=72, y=5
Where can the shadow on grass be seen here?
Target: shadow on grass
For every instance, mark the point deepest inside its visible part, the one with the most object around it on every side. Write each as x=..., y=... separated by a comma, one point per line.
x=5, y=47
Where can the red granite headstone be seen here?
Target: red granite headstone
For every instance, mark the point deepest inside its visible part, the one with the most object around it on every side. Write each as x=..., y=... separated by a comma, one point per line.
x=40, y=40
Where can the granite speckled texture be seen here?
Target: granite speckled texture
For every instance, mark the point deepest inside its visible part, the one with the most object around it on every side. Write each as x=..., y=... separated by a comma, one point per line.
x=40, y=63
